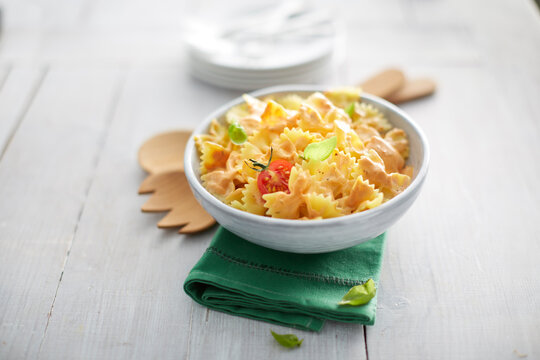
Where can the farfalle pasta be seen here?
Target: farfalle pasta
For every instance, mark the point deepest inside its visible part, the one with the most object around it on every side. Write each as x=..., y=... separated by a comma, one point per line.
x=314, y=157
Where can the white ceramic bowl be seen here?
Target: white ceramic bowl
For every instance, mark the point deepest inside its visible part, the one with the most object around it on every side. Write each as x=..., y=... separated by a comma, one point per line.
x=313, y=236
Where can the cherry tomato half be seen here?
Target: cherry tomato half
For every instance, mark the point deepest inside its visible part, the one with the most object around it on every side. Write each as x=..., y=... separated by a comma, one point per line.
x=275, y=178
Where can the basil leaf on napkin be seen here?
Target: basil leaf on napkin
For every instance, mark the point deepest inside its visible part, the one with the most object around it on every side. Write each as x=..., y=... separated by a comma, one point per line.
x=359, y=294
x=287, y=340
x=320, y=150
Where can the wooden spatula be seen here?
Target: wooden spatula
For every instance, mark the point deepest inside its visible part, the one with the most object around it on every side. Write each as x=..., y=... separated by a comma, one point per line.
x=163, y=157
x=164, y=152
x=171, y=193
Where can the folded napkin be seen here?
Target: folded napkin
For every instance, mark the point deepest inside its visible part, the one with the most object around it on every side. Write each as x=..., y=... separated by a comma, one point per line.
x=296, y=290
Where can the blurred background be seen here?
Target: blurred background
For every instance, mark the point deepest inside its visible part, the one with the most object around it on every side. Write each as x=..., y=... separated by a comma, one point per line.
x=337, y=42
x=246, y=44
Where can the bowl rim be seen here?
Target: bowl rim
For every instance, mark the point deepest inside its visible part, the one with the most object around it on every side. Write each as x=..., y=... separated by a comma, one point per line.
x=297, y=223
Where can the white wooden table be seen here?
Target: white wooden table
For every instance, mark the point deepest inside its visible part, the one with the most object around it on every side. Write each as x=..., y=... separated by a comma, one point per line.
x=84, y=274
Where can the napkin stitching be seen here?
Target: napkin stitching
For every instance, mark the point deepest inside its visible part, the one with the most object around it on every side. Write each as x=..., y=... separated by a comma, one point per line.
x=285, y=272
x=244, y=284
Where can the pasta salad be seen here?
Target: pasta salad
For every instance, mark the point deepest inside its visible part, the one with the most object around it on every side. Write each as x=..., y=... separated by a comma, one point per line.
x=293, y=157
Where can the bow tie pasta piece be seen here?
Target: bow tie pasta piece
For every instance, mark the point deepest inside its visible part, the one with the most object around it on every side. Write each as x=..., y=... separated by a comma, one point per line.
x=398, y=139
x=393, y=161
x=217, y=134
x=292, y=205
x=321, y=206
x=248, y=114
x=222, y=182
x=263, y=139
x=320, y=103
x=251, y=198
x=275, y=117
x=328, y=178
x=373, y=170
x=301, y=138
x=219, y=183
x=367, y=114
x=247, y=198
x=365, y=132
x=408, y=170
x=343, y=97
x=362, y=196
x=213, y=156
x=234, y=196
x=344, y=160
x=334, y=176
x=348, y=140
x=285, y=149
x=252, y=107
x=237, y=113
x=291, y=101
x=255, y=106
x=337, y=114
x=250, y=151
x=250, y=124
x=310, y=119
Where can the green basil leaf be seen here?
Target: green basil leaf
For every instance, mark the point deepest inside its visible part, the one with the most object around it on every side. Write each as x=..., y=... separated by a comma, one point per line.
x=350, y=110
x=359, y=294
x=237, y=133
x=321, y=150
x=287, y=340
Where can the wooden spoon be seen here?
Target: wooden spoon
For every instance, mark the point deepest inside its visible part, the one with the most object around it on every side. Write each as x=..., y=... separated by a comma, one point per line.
x=412, y=90
x=384, y=83
x=163, y=157
x=392, y=85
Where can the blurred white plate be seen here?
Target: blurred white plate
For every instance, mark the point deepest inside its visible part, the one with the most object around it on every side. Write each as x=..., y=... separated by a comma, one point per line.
x=288, y=42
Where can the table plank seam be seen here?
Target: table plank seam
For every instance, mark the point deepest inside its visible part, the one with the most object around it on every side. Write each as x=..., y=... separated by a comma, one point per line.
x=9, y=67
x=188, y=351
x=101, y=145
x=365, y=341
x=24, y=111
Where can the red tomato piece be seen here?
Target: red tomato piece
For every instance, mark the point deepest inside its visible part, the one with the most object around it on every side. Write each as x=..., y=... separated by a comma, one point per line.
x=275, y=178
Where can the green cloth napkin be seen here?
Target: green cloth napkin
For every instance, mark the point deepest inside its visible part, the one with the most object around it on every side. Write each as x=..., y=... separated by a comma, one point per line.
x=296, y=290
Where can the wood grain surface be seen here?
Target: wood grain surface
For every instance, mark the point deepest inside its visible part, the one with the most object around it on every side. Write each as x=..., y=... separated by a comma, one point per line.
x=85, y=275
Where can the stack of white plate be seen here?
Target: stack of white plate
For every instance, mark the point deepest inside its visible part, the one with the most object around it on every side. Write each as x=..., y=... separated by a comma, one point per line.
x=289, y=43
